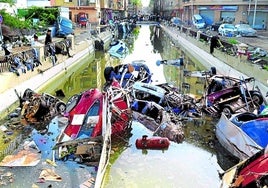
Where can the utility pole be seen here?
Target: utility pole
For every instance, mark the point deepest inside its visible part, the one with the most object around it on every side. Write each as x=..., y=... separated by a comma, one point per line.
x=192, y=7
x=249, y=7
x=254, y=16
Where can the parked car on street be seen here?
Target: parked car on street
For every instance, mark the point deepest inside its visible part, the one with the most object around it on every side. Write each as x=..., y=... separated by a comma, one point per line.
x=198, y=21
x=227, y=30
x=245, y=30
x=82, y=19
x=176, y=21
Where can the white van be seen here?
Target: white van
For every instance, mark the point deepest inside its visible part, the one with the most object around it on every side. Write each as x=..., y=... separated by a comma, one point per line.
x=198, y=21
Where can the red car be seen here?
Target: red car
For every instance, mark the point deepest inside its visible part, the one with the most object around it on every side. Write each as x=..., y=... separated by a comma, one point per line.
x=82, y=19
x=250, y=173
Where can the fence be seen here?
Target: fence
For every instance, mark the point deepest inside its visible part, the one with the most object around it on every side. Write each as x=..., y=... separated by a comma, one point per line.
x=6, y=60
x=4, y=65
x=13, y=145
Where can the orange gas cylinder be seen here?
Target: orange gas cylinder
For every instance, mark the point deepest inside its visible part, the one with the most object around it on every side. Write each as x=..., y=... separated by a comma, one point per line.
x=152, y=143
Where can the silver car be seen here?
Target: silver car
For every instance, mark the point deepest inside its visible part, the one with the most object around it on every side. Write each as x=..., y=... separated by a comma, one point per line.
x=227, y=30
x=245, y=30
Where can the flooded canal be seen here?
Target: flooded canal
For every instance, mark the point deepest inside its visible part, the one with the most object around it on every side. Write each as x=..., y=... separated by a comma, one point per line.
x=194, y=163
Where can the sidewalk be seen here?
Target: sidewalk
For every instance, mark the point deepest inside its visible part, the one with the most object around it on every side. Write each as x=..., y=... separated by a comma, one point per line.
x=34, y=80
x=201, y=53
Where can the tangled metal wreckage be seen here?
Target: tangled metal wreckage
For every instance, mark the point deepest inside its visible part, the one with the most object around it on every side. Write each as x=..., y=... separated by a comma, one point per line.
x=85, y=137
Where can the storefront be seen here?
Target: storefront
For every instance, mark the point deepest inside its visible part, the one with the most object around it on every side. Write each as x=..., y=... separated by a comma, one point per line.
x=260, y=17
x=211, y=13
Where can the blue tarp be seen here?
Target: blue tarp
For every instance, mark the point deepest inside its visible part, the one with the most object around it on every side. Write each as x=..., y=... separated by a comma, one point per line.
x=257, y=130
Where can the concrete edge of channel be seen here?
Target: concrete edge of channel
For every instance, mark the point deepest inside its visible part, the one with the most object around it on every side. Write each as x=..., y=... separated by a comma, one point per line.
x=207, y=59
x=9, y=97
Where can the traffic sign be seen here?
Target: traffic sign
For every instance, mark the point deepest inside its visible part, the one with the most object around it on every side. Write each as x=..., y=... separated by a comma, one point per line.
x=1, y=19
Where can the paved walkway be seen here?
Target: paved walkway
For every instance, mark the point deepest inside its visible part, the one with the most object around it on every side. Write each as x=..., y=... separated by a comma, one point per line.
x=207, y=59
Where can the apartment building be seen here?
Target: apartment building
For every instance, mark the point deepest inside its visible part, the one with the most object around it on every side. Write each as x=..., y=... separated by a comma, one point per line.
x=90, y=8
x=96, y=10
x=252, y=11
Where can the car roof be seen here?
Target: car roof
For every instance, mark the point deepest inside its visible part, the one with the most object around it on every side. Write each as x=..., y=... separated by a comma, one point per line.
x=197, y=16
x=247, y=25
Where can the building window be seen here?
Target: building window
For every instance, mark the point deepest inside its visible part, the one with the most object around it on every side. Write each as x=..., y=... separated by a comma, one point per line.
x=86, y=2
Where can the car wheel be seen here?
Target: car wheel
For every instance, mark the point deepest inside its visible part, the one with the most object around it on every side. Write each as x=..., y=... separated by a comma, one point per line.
x=227, y=111
x=257, y=99
x=60, y=107
x=28, y=93
x=213, y=70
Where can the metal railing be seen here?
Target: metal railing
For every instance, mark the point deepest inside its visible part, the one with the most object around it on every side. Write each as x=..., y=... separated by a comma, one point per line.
x=106, y=149
x=12, y=146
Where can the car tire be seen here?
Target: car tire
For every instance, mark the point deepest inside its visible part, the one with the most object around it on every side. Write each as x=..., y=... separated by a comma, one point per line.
x=28, y=93
x=257, y=98
x=227, y=110
x=60, y=107
x=213, y=70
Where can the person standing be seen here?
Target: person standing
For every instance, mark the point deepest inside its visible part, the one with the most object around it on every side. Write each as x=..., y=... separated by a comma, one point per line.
x=263, y=25
x=213, y=43
x=36, y=43
x=50, y=47
x=67, y=43
x=48, y=38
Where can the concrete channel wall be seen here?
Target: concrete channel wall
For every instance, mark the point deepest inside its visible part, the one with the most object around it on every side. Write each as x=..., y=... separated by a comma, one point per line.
x=43, y=75
x=224, y=64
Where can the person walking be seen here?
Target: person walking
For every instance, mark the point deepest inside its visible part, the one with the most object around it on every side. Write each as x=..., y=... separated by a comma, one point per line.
x=213, y=43
x=67, y=43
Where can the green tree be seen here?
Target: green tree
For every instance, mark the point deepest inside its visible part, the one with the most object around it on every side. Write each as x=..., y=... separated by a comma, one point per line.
x=11, y=2
x=46, y=16
x=13, y=21
x=136, y=3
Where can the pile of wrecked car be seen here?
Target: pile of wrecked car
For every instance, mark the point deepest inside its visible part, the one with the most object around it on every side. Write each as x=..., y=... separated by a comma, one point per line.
x=86, y=124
